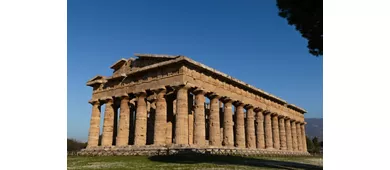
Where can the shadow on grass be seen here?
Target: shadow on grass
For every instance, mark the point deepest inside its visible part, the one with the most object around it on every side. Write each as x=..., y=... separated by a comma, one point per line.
x=231, y=160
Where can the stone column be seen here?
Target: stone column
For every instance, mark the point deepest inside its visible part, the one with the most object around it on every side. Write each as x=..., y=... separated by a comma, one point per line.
x=299, y=137
x=199, y=118
x=288, y=134
x=303, y=133
x=268, y=130
x=260, y=142
x=108, y=124
x=282, y=134
x=228, y=138
x=181, y=124
x=214, y=127
x=160, y=121
x=275, y=131
x=122, y=138
x=240, y=125
x=294, y=135
x=250, y=127
x=94, y=128
x=140, y=120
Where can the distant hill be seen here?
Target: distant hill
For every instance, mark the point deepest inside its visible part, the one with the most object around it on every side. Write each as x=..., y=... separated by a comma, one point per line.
x=314, y=128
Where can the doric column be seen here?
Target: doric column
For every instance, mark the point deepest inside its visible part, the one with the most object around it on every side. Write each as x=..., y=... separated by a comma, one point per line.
x=228, y=138
x=275, y=131
x=122, y=138
x=181, y=124
x=214, y=127
x=160, y=120
x=108, y=124
x=94, y=127
x=294, y=135
x=268, y=130
x=250, y=127
x=260, y=142
x=240, y=125
x=199, y=118
x=282, y=133
x=140, y=120
x=288, y=134
x=303, y=133
x=299, y=137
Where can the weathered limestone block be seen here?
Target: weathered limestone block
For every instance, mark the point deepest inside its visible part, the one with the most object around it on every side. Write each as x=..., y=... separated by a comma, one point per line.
x=199, y=116
x=275, y=132
x=214, y=127
x=294, y=135
x=268, y=131
x=94, y=128
x=228, y=138
x=282, y=134
x=299, y=137
x=250, y=127
x=108, y=124
x=181, y=124
x=160, y=121
x=140, y=120
x=303, y=133
x=260, y=139
x=288, y=134
x=240, y=125
x=122, y=138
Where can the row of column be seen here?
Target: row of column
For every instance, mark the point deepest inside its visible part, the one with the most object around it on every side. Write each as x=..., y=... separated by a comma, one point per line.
x=260, y=129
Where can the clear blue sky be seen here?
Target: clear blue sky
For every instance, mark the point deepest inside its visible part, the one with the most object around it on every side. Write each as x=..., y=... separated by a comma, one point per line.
x=245, y=39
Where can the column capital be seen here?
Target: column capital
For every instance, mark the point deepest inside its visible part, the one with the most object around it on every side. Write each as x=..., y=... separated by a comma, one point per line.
x=108, y=100
x=258, y=109
x=226, y=99
x=274, y=114
x=199, y=90
x=140, y=93
x=122, y=96
x=292, y=120
x=212, y=95
x=238, y=103
x=281, y=116
x=286, y=118
x=266, y=112
x=159, y=90
x=182, y=86
x=248, y=106
x=93, y=102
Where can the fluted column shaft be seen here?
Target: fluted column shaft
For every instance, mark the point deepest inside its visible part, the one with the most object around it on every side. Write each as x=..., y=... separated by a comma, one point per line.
x=275, y=132
x=282, y=133
x=214, y=130
x=160, y=121
x=181, y=124
x=250, y=128
x=260, y=139
x=140, y=120
x=268, y=131
x=294, y=135
x=108, y=124
x=240, y=126
x=228, y=138
x=199, y=119
x=303, y=133
x=122, y=138
x=94, y=128
x=299, y=137
x=289, y=135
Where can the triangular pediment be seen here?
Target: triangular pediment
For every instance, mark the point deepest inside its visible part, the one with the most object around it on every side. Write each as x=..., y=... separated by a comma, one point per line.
x=96, y=80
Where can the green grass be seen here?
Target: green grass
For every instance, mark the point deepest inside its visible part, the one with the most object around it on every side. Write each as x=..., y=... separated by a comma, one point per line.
x=193, y=162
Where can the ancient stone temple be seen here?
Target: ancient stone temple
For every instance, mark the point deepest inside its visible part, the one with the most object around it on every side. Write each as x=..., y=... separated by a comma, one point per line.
x=162, y=104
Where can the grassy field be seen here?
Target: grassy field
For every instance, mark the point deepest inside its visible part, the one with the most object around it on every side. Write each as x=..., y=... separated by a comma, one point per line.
x=193, y=162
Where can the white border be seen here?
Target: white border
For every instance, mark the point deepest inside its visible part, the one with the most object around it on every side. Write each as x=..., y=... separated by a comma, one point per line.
x=33, y=49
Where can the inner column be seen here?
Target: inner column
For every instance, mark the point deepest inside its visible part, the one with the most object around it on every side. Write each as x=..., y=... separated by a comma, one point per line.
x=199, y=118
x=181, y=127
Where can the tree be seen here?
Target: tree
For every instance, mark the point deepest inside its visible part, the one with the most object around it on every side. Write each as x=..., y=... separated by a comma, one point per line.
x=306, y=16
x=316, y=145
x=74, y=145
x=309, y=144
